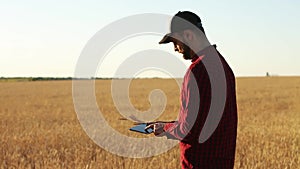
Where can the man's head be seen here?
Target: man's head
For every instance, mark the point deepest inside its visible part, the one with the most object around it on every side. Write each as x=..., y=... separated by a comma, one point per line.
x=185, y=28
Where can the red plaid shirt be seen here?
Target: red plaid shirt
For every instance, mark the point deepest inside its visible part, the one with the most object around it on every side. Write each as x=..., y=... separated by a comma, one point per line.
x=219, y=150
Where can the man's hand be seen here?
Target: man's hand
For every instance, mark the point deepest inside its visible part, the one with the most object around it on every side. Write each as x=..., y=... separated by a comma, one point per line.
x=158, y=128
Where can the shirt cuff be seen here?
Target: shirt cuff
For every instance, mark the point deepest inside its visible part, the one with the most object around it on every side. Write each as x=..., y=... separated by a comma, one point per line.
x=168, y=126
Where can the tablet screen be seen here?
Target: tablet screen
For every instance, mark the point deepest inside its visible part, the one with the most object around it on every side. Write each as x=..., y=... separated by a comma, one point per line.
x=141, y=129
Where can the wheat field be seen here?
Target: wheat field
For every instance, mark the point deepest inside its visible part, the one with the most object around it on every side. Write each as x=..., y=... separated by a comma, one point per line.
x=39, y=127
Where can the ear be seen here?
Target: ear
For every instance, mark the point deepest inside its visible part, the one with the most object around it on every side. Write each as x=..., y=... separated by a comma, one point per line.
x=188, y=35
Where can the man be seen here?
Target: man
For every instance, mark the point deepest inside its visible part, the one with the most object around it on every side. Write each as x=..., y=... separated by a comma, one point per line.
x=218, y=150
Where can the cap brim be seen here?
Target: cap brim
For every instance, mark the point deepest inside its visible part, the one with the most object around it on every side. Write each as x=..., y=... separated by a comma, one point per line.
x=166, y=39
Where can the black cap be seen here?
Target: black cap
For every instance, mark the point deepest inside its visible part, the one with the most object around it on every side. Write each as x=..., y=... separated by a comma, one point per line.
x=182, y=21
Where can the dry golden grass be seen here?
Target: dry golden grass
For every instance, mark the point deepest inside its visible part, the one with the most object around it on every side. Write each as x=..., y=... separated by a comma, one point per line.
x=39, y=127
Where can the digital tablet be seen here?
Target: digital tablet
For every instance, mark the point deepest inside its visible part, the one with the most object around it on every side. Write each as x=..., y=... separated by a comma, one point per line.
x=141, y=129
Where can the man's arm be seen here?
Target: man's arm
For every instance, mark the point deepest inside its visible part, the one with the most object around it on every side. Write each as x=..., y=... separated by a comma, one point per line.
x=190, y=102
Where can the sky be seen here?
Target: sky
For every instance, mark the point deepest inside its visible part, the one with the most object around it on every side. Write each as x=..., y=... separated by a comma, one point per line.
x=46, y=38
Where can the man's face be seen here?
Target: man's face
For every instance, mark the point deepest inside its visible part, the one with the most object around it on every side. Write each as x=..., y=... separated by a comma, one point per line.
x=180, y=46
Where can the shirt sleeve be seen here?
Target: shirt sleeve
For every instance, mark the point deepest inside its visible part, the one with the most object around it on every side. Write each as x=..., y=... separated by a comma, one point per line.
x=190, y=102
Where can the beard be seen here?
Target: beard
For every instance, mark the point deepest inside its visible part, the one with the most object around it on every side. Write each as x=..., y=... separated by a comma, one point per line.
x=187, y=53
